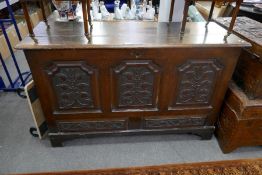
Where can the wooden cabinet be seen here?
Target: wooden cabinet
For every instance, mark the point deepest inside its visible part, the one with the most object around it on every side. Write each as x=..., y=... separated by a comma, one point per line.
x=151, y=82
x=240, y=122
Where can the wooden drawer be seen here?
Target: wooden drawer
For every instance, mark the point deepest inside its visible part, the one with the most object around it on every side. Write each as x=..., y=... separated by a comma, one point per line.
x=92, y=125
x=177, y=122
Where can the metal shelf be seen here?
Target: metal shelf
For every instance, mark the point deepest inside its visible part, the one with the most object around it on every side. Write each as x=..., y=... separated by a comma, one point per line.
x=3, y=3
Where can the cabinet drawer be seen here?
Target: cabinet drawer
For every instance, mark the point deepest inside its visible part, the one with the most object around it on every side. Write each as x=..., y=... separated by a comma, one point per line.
x=178, y=122
x=92, y=126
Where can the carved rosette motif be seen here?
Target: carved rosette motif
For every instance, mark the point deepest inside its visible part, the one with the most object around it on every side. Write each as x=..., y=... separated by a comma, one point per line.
x=197, y=80
x=135, y=83
x=176, y=122
x=92, y=126
x=72, y=84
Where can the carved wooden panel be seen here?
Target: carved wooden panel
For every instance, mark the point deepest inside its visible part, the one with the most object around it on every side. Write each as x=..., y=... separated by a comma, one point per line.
x=246, y=27
x=92, y=126
x=136, y=84
x=174, y=122
x=196, y=82
x=73, y=83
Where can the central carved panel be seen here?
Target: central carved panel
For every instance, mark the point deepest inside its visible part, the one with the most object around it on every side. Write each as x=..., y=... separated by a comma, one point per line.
x=197, y=80
x=136, y=83
x=136, y=87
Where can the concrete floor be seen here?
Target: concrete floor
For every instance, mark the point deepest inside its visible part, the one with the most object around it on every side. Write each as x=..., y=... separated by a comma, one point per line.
x=20, y=152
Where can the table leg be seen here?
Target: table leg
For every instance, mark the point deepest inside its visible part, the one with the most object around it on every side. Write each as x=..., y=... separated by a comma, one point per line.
x=27, y=18
x=171, y=10
x=186, y=7
x=234, y=16
x=43, y=13
x=89, y=15
x=211, y=12
x=84, y=6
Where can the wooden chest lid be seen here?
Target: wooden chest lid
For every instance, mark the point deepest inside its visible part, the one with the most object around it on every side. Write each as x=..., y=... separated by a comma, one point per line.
x=128, y=34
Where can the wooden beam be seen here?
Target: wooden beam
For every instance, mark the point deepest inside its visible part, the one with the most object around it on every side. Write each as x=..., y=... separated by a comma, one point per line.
x=88, y=13
x=27, y=18
x=187, y=2
x=171, y=10
x=234, y=16
x=211, y=10
x=43, y=13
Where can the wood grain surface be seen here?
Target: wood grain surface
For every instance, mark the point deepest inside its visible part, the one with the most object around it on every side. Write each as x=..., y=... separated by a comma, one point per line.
x=128, y=34
x=130, y=77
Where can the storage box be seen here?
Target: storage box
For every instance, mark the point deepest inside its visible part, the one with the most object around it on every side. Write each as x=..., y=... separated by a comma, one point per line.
x=23, y=29
x=4, y=48
x=34, y=19
x=39, y=14
x=12, y=35
x=22, y=26
x=47, y=7
x=204, y=8
x=240, y=122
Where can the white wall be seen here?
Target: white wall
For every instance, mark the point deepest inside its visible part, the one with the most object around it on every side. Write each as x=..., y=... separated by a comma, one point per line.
x=164, y=10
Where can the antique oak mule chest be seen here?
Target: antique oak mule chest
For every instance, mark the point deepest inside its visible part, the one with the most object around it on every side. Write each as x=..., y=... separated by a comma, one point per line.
x=130, y=77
